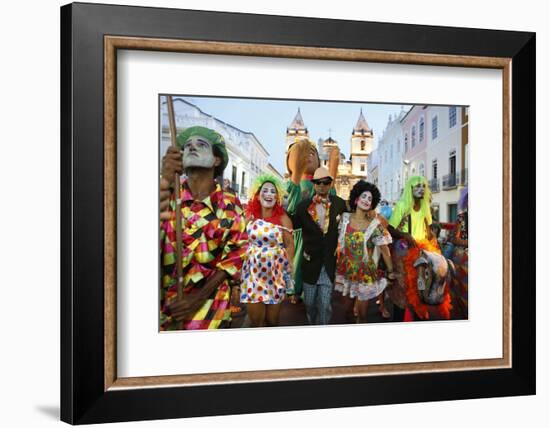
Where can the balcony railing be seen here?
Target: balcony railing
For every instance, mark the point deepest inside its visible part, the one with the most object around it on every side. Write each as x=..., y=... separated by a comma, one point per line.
x=464, y=177
x=434, y=185
x=450, y=181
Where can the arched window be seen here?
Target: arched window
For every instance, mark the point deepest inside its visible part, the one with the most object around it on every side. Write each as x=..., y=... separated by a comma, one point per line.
x=413, y=137
x=421, y=170
x=421, y=130
x=362, y=144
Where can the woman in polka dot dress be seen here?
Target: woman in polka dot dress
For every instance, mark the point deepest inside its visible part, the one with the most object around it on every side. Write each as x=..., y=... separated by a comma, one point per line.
x=267, y=268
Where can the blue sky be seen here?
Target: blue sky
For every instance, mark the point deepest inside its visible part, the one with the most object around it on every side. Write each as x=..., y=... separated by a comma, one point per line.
x=268, y=119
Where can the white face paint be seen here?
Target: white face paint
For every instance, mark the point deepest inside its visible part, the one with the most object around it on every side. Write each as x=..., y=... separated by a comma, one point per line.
x=418, y=190
x=365, y=201
x=198, y=153
x=268, y=195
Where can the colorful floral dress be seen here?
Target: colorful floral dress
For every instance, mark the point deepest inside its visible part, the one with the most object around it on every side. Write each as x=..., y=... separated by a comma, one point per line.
x=265, y=269
x=357, y=273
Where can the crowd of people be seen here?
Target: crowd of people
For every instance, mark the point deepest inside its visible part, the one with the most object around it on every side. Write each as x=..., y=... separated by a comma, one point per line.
x=298, y=240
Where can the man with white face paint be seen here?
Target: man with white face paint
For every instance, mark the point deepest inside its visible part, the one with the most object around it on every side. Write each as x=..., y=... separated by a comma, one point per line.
x=213, y=234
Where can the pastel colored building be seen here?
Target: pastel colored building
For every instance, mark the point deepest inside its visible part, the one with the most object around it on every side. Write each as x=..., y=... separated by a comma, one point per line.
x=447, y=157
x=390, y=159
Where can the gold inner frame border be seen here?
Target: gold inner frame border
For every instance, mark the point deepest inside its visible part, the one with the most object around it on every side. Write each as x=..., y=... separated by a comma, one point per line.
x=113, y=43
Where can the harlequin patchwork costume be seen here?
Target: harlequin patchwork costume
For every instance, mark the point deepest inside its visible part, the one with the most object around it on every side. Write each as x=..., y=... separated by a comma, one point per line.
x=214, y=239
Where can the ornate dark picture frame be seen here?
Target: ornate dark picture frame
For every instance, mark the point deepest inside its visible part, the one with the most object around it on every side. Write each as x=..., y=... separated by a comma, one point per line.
x=91, y=392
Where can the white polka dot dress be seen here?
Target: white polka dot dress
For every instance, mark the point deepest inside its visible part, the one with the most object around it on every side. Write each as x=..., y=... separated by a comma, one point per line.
x=265, y=264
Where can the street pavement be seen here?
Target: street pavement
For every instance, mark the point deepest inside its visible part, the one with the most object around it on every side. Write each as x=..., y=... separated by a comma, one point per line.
x=295, y=314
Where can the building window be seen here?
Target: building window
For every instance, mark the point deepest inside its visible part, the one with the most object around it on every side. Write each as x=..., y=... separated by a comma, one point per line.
x=435, y=212
x=413, y=137
x=362, y=145
x=452, y=116
x=421, y=130
x=434, y=127
x=434, y=169
x=362, y=167
x=234, y=176
x=421, y=169
x=452, y=213
x=452, y=163
x=406, y=143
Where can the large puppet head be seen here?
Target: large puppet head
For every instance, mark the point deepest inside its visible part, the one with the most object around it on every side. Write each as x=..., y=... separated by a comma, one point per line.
x=266, y=191
x=434, y=273
x=312, y=159
x=201, y=146
x=417, y=188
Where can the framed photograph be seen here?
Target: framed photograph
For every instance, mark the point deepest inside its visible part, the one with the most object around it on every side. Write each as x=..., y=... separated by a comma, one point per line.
x=145, y=336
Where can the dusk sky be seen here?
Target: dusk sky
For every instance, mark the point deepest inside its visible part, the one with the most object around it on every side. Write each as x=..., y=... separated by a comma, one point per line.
x=268, y=119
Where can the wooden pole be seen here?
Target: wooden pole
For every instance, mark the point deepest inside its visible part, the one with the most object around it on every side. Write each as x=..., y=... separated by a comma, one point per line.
x=179, y=244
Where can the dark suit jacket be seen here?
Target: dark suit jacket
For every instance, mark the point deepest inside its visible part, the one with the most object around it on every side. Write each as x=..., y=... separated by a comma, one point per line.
x=318, y=249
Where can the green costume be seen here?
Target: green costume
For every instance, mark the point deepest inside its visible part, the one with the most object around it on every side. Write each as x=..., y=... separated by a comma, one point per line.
x=421, y=219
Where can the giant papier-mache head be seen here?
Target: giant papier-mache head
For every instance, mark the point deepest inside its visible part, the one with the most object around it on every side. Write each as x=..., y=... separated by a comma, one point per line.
x=312, y=146
x=214, y=138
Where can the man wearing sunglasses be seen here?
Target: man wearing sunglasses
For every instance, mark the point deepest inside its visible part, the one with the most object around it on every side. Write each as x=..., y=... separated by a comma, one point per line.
x=318, y=217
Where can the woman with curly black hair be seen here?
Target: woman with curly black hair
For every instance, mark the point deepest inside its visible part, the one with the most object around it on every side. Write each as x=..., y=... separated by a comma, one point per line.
x=362, y=239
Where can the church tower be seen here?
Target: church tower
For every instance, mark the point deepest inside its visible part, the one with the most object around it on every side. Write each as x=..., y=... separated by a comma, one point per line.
x=361, y=146
x=295, y=129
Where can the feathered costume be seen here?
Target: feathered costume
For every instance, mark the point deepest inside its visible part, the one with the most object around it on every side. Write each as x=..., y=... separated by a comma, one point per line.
x=416, y=223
